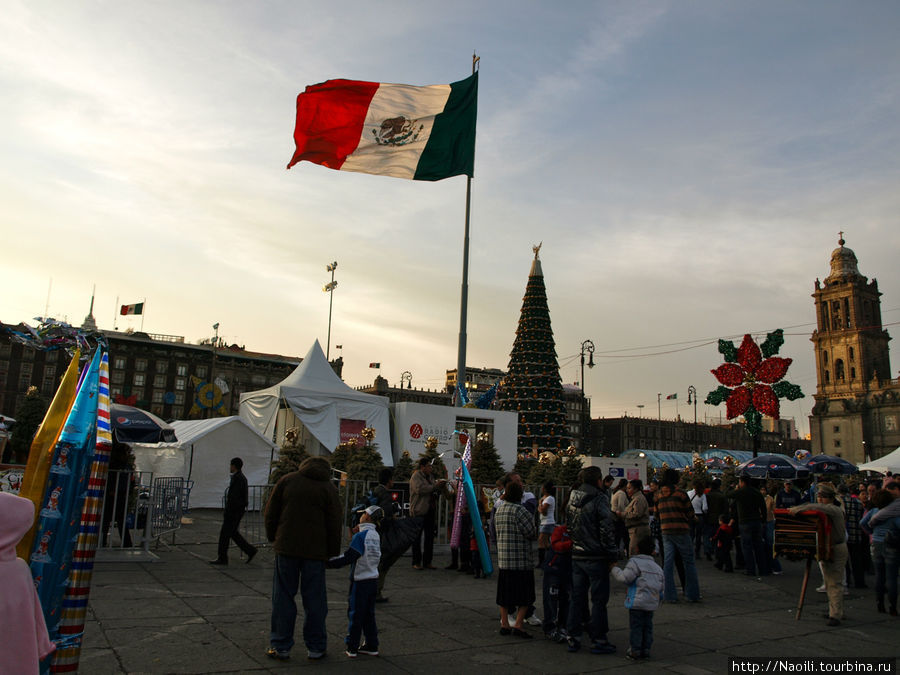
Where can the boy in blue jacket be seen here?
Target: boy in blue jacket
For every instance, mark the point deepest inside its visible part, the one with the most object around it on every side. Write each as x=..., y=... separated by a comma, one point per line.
x=646, y=583
x=363, y=556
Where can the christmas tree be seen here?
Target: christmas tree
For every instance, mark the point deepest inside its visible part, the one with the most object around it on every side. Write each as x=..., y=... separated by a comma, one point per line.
x=486, y=466
x=431, y=453
x=404, y=468
x=290, y=456
x=533, y=388
x=29, y=416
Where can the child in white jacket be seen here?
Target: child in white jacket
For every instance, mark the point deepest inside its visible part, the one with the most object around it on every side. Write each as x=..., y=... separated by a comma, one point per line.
x=645, y=589
x=363, y=556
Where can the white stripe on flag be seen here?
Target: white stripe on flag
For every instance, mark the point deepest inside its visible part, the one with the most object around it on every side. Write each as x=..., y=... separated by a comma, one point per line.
x=419, y=105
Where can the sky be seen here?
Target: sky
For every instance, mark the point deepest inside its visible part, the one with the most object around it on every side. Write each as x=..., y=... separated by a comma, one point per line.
x=687, y=166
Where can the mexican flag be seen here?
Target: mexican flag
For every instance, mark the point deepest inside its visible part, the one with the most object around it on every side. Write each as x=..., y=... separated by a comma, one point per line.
x=137, y=308
x=419, y=133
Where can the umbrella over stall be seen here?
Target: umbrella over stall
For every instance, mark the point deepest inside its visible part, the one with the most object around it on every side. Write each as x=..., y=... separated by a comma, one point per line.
x=772, y=466
x=829, y=464
x=133, y=425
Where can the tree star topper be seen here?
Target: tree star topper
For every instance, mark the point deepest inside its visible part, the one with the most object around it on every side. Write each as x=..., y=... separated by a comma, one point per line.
x=756, y=377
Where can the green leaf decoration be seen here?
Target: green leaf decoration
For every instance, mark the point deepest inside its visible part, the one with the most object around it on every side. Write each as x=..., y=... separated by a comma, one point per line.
x=753, y=420
x=718, y=396
x=785, y=389
x=728, y=350
x=773, y=343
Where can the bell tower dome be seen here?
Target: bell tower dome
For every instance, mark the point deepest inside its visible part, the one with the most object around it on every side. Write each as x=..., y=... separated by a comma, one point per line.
x=850, y=344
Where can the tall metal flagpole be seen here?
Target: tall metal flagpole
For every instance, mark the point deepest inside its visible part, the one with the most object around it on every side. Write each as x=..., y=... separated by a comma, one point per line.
x=464, y=301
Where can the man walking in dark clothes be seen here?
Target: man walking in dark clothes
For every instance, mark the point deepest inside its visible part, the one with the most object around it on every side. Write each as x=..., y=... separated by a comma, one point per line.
x=236, y=500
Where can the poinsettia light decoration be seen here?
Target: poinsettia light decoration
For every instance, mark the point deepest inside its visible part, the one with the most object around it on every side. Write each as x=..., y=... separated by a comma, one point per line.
x=751, y=380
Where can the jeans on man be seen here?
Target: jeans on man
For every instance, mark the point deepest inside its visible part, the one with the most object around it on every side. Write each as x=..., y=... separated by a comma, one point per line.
x=418, y=556
x=886, y=560
x=754, y=549
x=683, y=544
x=309, y=575
x=589, y=576
x=641, y=637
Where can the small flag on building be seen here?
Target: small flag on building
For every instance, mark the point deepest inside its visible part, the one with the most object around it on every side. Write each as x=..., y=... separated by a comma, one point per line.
x=127, y=310
x=671, y=396
x=419, y=133
x=374, y=365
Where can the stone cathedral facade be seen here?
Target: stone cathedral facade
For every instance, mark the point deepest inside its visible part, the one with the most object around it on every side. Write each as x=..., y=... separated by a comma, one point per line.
x=857, y=405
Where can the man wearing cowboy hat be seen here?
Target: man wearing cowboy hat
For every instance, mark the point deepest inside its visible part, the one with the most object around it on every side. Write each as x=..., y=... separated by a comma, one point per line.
x=832, y=570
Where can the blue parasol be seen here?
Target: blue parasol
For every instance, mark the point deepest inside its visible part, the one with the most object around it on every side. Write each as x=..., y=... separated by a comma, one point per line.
x=772, y=466
x=133, y=425
x=829, y=464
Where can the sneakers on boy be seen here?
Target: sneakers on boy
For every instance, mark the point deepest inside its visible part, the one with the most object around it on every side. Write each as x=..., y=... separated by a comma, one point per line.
x=634, y=655
x=370, y=651
x=315, y=656
x=602, y=647
x=352, y=653
x=574, y=645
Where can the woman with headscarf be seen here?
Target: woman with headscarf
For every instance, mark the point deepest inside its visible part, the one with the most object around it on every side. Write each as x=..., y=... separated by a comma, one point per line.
x=24, y=640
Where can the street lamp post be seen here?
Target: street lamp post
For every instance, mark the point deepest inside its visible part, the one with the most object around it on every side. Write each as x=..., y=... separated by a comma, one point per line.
x=692, y=398
x=406, y=376
x=586, y=347
x=329, y=288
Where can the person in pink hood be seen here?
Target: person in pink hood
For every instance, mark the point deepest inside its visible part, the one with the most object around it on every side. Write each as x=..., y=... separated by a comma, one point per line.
x=24, y=640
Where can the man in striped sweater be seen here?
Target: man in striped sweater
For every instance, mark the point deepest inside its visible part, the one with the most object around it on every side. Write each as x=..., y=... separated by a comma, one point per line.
x=675, y=516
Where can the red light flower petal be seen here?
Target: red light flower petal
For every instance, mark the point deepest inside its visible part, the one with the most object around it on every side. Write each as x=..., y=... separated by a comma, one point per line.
x=729, y=374
x=738, y=402
x=749, y=355
x=772, y=369
x=765, y=400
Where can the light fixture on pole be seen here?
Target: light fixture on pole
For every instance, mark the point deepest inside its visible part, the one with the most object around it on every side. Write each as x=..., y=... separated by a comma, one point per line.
x=212, y=372
x=692, y=398
x=406, y=376
x=329, y=288
x=586, y=346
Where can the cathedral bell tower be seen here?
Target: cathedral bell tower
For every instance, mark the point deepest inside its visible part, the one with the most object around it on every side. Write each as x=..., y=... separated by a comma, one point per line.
x=850, y=344
x=854, y=414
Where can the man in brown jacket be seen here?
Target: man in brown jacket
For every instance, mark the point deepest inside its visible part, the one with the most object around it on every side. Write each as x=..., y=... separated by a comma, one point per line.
x=303, y=520
x=637, y=515
x=424, y=491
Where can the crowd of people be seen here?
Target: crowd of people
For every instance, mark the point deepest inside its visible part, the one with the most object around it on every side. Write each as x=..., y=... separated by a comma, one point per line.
x=649, y=538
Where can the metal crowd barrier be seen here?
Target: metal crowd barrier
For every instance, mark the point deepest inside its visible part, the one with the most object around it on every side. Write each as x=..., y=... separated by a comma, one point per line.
x=139, y=508
x=252, y=525
x=125, y=508
x=168, y=497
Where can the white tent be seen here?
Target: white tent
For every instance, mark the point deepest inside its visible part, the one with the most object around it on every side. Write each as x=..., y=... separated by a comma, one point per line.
x=890, y=462
x=202, y=454
x=322, y=402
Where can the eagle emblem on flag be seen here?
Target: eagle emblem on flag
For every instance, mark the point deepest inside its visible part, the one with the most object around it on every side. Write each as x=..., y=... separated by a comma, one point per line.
x=397, y=131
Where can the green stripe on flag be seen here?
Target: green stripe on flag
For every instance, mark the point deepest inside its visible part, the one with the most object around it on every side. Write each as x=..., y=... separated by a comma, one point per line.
x=450, y=150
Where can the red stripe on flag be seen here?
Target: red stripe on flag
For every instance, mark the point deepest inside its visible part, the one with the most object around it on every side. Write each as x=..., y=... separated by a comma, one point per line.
x=330, y=119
